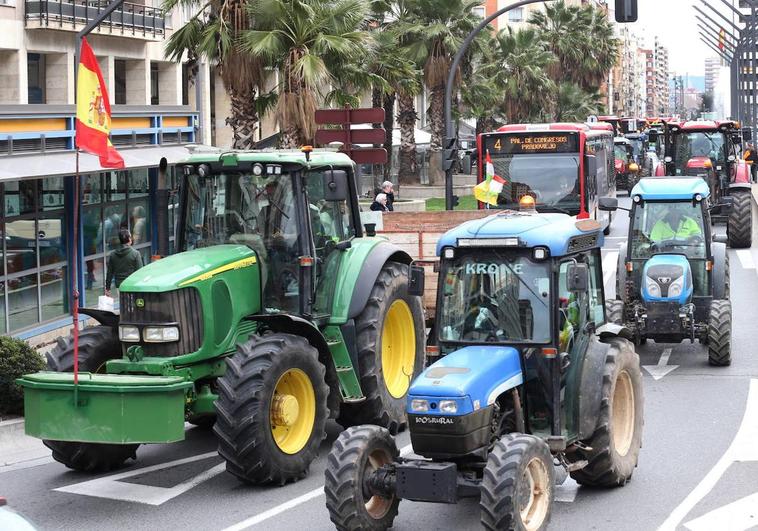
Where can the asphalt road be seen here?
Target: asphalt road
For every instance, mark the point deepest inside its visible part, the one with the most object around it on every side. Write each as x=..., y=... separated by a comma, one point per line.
x=698, y=467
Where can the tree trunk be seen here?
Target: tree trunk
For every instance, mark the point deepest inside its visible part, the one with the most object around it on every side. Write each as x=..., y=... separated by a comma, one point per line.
x=244, y=119
x=437, y=126
x=389, y=127
x=406, y=119
x=377, y=172
x=289, y=139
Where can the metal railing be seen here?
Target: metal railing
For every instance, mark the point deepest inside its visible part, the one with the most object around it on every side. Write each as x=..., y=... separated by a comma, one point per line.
x=129, y=19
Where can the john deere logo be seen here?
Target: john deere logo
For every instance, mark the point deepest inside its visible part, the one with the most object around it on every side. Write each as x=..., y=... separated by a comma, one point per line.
x=140, y=303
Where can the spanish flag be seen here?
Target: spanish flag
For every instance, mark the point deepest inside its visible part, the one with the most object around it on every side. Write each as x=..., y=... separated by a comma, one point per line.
x=489, y=189
x=93, y=111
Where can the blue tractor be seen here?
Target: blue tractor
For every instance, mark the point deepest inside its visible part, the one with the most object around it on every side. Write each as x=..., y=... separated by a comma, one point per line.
x=673, y=273
x=530, y=376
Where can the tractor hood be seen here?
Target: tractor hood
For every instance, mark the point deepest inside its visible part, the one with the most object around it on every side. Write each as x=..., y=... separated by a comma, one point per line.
x=473, y=376
x=667, y=278
x=184, y=269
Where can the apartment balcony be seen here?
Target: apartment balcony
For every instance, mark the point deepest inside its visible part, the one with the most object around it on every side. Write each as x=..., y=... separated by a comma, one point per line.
x=131, y=20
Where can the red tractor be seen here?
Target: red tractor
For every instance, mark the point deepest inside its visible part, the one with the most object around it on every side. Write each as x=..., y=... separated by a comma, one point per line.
x=708, y=149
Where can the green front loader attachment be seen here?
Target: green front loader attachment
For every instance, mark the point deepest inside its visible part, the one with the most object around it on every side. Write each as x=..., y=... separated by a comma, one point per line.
x=105, y=408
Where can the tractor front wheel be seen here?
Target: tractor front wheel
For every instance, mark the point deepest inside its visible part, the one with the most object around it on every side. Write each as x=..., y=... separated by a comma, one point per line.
x=517, y=485
x=739, y=225
x=390, y=346
x=614, y=448
x=720, y=333
x=97, y=345
x=271, y=409
x=356, y=453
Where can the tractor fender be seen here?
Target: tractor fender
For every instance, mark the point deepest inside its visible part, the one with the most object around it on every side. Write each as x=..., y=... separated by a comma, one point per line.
x=104, y=317
x=621, y=273
x=588, y=394
x=740, y=186
x=379, y=255
x=719, y=270
x=660, y=170
x=292, y=324
x=741, y=175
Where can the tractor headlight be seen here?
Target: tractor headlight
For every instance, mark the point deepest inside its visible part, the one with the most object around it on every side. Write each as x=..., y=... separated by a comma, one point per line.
x=419, y=405
x=448, y=406
x=128, y=334
x=676, y=287
x=161, y=334
x=652, y=287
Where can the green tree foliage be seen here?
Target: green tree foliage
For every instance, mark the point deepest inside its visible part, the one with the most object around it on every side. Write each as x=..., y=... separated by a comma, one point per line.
x=16, y=359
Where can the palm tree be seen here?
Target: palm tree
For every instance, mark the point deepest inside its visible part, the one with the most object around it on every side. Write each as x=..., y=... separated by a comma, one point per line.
x=574, y=104
x=310, y=42
x=213, y=34
x=433, y=30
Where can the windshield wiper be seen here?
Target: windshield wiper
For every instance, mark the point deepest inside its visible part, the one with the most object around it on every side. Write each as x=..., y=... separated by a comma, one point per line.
x=552, y=208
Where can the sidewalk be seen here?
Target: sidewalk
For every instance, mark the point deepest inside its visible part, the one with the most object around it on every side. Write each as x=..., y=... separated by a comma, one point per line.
x=16, y=448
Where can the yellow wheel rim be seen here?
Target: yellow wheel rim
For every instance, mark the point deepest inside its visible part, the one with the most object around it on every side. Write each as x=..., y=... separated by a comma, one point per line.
x=293, y=411
x=534, y=494
x=622, y=423
x=398, y=348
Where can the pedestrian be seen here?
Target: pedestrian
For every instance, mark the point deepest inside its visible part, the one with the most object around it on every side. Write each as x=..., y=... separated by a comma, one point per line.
x=380, y=203
x=122, y=262
x=387, y=189
x=751, y=157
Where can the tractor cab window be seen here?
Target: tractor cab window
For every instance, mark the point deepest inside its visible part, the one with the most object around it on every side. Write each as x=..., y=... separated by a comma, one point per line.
x=493, y=296
x=258, y=211
x=697, y=145
x=668, y=227
x=620, y=152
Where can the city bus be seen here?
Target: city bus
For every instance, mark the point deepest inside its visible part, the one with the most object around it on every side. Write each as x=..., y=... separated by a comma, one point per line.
x=565, y=167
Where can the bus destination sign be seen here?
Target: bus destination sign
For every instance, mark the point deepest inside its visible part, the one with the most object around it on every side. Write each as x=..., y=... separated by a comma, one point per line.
x=523, y=143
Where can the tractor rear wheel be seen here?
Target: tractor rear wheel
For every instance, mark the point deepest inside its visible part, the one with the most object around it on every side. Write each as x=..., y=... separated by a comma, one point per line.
x=97, y=345
x=614, y=311
x=739, y=226
x=390, y=346
x=615, y=445
x=517, y=485
x=356, y=453
x=271, y=409
x=720, y=333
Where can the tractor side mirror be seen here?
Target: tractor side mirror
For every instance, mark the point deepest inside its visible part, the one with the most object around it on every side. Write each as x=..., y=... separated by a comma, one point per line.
x=608, y=204
x=335, y=185
x=578, y=278
x=590, y=162
x=416, y=281
x=736, y=139
x=747, y=134
x=652, y=136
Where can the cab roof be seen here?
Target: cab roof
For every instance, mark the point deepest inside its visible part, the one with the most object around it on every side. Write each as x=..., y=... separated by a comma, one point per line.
x=560, y=233
x=318, y=157
x=621, y=140
x=558, y=126
x=706, y=125
x=670, y=188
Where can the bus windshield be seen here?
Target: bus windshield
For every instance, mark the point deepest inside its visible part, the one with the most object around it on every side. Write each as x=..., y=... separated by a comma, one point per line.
x=495, y=296
x=551, y=178
x=697, y=144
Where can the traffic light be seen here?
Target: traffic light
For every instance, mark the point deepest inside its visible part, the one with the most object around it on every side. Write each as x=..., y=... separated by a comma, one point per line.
x=450, y=155
x=455, y=201
x=626, y=11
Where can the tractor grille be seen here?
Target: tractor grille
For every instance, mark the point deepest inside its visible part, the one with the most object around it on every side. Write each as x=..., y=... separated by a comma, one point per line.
x=179, y=306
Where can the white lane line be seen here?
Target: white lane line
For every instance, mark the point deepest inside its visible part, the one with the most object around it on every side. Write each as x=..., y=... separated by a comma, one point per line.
x=315, y=493
x=662, y=368
x=110, y=486
x=609, y=266
x=735, y=516
x=746, y=258
x=743, y=448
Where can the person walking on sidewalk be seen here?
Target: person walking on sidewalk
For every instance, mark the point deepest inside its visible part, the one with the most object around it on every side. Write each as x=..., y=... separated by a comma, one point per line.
x=751, y=157
x=122, y=262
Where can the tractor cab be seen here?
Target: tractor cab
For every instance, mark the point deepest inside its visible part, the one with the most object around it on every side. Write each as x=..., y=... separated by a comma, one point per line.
x=627, y=169
x=639, y=143
x=709, y=149
x=672, y=269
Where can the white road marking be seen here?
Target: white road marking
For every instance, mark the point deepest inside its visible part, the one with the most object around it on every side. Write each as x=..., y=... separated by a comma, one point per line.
x=315, y=493
x=736, y=516
x=609, y=266
x=743, y=448
x=662, y=368
x=746, y=258
x=566, y=491
x=111, y=487
x=615, y=238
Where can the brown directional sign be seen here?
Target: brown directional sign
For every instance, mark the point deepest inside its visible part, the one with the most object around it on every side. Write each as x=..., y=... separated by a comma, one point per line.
x=357, y=136
x=368, y=155
x=374, y=115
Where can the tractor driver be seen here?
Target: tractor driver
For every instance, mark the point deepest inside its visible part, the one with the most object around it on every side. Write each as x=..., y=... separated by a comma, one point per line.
x=676, y=224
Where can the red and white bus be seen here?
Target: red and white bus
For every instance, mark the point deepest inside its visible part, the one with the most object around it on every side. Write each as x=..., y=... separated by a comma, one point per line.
x=565, y=167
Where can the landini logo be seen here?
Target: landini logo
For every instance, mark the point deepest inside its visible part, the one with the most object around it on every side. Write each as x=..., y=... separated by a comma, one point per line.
x=433, y=420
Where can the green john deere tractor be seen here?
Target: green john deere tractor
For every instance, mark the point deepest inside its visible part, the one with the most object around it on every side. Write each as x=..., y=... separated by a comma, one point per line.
x=278, y=313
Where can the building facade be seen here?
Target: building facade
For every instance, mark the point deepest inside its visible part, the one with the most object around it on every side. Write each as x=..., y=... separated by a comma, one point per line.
x=662, y=76
x=712, y=70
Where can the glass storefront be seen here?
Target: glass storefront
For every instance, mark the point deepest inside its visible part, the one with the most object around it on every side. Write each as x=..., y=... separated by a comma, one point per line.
x=34, y=221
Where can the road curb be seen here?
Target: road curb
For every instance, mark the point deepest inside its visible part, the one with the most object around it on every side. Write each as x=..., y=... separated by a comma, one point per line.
x=11, y=431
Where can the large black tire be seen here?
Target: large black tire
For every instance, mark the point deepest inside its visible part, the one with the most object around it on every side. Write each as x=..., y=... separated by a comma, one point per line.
x=350, y=507
x=246, y=404
x=381, y=407
x=506, y=484
x=720, y=333
x=614, y=311
x=739, y=226
x=97, y=345
x=615, y=445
